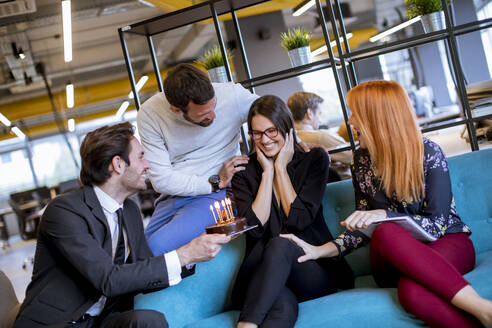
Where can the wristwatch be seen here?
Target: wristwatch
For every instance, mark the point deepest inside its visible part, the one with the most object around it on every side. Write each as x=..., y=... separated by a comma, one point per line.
x=214, y=180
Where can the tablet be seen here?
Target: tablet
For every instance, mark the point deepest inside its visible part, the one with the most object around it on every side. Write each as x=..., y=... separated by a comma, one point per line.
x=405, y=222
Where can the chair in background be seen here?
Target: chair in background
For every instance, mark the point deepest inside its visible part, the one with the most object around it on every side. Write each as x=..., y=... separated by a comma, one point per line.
x=22, y=197
x=42, y=195
x=9, y=304
x=27, y=206
x=28, y=220
x=67, y=186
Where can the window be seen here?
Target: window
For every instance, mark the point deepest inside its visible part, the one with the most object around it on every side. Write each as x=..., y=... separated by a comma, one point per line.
x=396, y=66
x=323, y=84
x=52, y=160
x=16, y=174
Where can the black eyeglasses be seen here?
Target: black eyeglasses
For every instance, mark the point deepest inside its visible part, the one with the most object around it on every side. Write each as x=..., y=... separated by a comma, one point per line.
x=270, y=133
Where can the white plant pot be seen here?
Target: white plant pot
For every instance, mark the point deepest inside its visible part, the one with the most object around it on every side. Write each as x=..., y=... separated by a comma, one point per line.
x=218, y=74
x=300, y=56
x=433, y=22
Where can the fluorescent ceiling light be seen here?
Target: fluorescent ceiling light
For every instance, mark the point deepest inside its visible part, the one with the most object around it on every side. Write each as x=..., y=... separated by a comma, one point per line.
x=146, y=3
x=333, y=43
x=70, y=97
x=302, y=7
x=67, y=30
x=18, y=132
x=394, y=29
x=4, y=120
x=122, y=109
x=71, y=125
x=139, y=85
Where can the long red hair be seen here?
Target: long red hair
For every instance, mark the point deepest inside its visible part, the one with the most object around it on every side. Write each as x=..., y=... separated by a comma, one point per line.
x=386, y=118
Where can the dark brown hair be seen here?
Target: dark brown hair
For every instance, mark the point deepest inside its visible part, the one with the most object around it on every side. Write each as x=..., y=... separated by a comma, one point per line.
x=98, y=149
x=273, y=108
x=186, y=83
x=299, y=102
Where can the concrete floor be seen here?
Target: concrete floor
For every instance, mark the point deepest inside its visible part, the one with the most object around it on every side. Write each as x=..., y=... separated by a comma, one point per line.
x=11, y=261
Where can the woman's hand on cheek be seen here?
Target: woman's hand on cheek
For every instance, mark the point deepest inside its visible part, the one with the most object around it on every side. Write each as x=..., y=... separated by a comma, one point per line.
x=286, y=153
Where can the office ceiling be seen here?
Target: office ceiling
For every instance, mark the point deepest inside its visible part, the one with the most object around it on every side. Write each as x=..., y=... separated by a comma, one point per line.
x=98, y=69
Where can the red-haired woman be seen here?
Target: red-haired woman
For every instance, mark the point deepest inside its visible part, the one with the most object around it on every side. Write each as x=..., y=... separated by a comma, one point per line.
x=397, y=172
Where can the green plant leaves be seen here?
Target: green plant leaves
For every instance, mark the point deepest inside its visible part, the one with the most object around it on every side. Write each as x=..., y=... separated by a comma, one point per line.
x=213, y=58
x=422, y=7
x=295, y=38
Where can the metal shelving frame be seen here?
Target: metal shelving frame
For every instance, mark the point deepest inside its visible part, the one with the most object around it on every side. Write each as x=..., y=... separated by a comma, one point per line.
x=346, y=59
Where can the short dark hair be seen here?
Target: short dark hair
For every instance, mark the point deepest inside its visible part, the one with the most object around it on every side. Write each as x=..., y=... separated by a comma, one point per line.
x=299, y=102
x=273, y=108
x=186, y=83
x=98, y=149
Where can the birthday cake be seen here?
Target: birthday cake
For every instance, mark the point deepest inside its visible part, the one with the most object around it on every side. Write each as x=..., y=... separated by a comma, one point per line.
x=225, y=221
x=229, y=227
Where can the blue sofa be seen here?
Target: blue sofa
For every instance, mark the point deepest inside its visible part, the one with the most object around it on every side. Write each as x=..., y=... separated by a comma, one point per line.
x=203, y=300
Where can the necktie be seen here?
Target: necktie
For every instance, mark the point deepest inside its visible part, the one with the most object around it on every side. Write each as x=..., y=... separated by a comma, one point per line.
x=119, y=255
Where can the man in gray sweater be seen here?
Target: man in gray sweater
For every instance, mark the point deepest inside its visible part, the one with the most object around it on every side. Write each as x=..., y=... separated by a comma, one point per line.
x=190, y=134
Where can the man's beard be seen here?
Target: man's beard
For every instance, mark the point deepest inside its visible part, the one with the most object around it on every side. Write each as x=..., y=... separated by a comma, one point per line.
x=206, y=122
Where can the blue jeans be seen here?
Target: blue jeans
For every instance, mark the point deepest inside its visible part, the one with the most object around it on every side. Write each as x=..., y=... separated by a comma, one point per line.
x=177, y=220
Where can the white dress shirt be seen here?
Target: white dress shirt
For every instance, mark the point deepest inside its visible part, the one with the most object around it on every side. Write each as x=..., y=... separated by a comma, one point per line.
x=110, y=206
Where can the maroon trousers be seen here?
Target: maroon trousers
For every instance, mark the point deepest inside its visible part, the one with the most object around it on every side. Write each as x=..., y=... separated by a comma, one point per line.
x=427, y=275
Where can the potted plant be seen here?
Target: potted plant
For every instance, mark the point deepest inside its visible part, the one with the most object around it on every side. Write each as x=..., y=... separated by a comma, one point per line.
x=213, y=62
x=296, y=42
x=431, y=12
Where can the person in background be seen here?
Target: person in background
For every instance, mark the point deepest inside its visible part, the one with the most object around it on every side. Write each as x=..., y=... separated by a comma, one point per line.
x=91, y=253
x=397, y=172
x=306, y=112
x=281, y=191
x=342, y=132
x=190, y=134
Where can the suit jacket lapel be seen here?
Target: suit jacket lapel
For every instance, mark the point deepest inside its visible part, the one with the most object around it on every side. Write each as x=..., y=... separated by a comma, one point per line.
x=95, y=206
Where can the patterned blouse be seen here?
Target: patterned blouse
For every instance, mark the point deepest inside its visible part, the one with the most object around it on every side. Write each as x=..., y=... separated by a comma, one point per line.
x=436, y=212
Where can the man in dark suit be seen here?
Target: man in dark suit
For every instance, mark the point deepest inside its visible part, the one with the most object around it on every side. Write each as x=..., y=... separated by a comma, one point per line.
x=91, y=254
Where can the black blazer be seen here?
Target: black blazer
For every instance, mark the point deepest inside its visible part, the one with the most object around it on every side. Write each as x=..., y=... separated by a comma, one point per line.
x=308, y=173
x=73, y=266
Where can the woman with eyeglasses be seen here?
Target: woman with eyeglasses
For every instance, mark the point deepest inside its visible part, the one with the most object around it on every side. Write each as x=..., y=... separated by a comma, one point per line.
x=397, y=172
x=281, y=191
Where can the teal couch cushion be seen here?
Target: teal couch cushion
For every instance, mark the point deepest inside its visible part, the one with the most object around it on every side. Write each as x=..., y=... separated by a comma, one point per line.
x=338, y=204
x=471, y=178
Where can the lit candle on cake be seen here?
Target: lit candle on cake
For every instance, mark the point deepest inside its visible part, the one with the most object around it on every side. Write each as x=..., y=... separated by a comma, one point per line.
x=212, y=209
x=229, y=207
x=225, y=209
x=219, y=214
